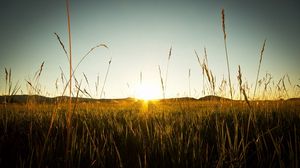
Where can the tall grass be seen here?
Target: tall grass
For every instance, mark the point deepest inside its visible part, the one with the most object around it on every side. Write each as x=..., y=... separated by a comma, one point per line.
x=226, y=52
x=242, y=89
x=208, y=73
x=106, y=74
x=171, y=133
x=11, y=89
x=167, y=71
x=165, y=133
x=69, y=113
x=259, y=64
x=162, y=83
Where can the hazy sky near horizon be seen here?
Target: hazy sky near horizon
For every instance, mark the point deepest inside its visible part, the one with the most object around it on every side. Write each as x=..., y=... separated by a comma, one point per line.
x=139, y=34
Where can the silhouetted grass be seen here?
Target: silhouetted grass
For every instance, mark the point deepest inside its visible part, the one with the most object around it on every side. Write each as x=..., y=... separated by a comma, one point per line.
x=169, y=133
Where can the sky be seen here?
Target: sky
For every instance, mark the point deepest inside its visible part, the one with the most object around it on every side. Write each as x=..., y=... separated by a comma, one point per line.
x=139, y=34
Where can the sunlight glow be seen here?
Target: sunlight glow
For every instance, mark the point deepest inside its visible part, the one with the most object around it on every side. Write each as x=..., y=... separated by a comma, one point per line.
x=147, y=92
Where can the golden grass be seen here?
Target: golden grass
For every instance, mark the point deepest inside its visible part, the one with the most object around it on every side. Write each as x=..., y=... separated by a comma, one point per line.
x=259, y=65
x=226, y=52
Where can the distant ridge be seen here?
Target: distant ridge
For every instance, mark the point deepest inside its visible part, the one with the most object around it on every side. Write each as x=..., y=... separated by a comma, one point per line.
x=294, y=99
x=23, y=98
x=44, y=99
x=213, y=98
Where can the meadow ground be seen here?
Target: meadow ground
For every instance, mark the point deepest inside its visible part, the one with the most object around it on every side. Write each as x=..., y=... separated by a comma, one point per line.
x=165, y=133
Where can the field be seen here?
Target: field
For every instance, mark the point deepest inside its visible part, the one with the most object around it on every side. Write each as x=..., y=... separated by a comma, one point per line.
x=163, y=133
x=259, y=130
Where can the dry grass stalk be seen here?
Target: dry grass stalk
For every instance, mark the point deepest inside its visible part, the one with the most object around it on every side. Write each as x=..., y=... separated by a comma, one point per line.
x=239, y=77
x=141, y=78
x=225, y=44
x=205, y=56
x=259, y=65
x=199, y=61
x=6, y=82
x=169, y=57
x=6, y=75
x=198, y=57
x=41, y=69
x=223, y=23
x=241, y=86
x=97, y=85
x=211, y=79
x=88, y=83
x=69, y=113
x=62, y=45
x=10, y=88
x=189, y=82
x=205, y=71
x=97, y=46
x=213, y=82
x=222, y=87
x=102, y=90
x=284, y=87
x=161, y=82
x=86, y=79
x=9, y=76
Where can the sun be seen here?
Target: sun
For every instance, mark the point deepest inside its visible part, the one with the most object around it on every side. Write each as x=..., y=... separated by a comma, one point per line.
x=147, y=92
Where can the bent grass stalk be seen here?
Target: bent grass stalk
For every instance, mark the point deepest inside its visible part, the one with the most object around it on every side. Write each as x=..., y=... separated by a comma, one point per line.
x=81, y=60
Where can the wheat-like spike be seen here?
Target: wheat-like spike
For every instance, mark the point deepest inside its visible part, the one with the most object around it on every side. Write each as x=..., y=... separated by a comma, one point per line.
x=86, y=79
x=6, y=75
x=161, y=81
x=9, y=75
x=239, y=77
x=62, y=45
x=41, y=69
x=29, y=83
x=6, y=81
x=223, y=23
x=56, y=84
x=170, y=53
x=86, y=92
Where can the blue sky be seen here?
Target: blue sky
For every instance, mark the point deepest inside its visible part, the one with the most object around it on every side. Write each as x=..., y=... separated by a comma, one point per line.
x=139, y=35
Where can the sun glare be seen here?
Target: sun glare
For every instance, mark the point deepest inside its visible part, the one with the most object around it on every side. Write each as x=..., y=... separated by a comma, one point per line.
x=147, y=92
